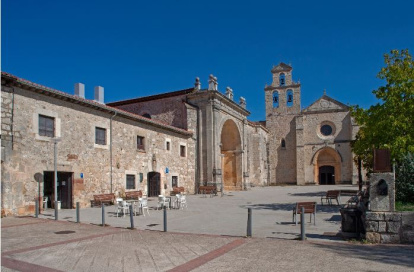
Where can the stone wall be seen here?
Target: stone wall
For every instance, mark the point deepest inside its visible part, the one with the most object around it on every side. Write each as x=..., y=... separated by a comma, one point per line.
x=389, y=227
x=257, y=156
x=78, y=154
x=169, y=110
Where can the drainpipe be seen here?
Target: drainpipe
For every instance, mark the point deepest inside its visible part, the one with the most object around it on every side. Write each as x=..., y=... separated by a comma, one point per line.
x=12, y=120
x=110, y=145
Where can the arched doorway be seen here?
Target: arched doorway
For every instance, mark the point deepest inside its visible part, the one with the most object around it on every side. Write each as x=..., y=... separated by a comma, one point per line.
x=232, y=158
x=327, y=163
x=154, y=183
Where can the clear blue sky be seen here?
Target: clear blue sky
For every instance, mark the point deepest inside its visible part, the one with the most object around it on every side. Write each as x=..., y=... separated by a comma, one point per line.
x=139, y=48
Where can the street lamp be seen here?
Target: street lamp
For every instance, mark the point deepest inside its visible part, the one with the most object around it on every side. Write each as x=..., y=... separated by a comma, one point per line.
x=55, y=141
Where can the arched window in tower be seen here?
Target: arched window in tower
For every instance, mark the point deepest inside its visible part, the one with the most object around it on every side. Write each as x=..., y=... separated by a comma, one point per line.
x=275, y=99
x=283, y=144
x=282, y=79
x=289, y=98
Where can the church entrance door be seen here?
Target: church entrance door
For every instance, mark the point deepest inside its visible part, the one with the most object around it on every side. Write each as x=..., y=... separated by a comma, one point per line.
x=231, y=156
x=154, y=184
x=326, y=175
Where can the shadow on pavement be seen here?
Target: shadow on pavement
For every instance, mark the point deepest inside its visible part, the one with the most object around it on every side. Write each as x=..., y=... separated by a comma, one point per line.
x=396, y=255
x=290, y=206
x=319, y=194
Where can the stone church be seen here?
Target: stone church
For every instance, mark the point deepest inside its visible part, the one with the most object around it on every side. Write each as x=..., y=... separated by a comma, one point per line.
x=187, y=138
x=310, y=145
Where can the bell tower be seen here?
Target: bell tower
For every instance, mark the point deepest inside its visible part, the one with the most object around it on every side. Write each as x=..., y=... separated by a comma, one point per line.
x=283, y=96
x=282, y=100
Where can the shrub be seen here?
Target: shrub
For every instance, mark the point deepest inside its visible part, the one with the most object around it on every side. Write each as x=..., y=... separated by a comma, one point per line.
x=404, y=184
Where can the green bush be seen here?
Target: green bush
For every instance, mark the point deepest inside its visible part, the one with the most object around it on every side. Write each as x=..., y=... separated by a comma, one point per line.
x=405, y=180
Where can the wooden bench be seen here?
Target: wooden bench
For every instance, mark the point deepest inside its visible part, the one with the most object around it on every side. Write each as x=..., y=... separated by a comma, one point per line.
x=133, y=195
x=310, y=207
x=177, y=190
x=332, y=194
x=98, y=200
x=207, y=190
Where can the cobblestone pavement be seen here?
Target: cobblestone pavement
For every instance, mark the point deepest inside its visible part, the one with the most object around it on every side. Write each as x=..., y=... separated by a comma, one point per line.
x=30, y=244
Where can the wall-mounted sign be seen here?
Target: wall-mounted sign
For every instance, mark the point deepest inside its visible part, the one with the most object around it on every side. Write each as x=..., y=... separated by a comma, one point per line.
x=81, y=175
x=167, y=170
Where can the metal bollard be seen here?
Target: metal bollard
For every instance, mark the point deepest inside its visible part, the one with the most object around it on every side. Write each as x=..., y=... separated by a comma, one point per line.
x=56, y=211
x=103, y=215
x=77, y=213
x=249, y=222
x=131, y=216
x=302, y=224
x=37, y=208
x=165, y=218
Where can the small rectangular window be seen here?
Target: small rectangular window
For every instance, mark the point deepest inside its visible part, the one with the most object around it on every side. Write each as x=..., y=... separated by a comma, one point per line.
x=167, y=146
x=182, y=150
x=140, y=143
x=100, y=136
x=174, y=181
x=46, y=126
x=130, y=181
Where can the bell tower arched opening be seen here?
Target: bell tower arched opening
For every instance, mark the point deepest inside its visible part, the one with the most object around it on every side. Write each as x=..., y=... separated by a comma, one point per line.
x=232, y=156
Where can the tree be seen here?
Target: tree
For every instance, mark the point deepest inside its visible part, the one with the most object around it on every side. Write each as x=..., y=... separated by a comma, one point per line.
x=388, y=124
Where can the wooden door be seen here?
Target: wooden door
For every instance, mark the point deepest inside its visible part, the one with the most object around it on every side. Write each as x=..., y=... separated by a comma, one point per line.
x=326, y=175
x=154, y=183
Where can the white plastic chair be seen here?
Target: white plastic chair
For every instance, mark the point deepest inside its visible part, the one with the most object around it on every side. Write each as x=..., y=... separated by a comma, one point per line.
x=176, y=203
x=121, y=205
x=45, y=199
x=182, y=202
x=163, y=201
x=143, y=205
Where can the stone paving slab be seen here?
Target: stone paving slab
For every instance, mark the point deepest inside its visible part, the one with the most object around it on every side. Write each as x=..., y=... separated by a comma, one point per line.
x=283, y=255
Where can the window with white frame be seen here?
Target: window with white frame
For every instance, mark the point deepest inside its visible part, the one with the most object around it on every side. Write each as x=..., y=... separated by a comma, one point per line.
x=100, y=136
x=182, y=150
x=46, y=126
x=141, y=143
x=130, y=182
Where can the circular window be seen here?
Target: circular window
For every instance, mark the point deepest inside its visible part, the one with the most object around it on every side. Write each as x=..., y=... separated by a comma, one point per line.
x=326, y=130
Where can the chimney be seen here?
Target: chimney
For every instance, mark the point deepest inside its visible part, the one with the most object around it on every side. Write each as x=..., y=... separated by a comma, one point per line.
x=80, y=90
x=99, y=94
x=242, y=102
x=229, y=93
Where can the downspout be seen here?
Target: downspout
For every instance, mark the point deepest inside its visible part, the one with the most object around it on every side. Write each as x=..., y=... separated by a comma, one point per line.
x=110, y=146
x=11, y=121
x=197, y=150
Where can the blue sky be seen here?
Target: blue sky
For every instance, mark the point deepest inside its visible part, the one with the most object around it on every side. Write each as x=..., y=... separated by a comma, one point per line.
x=139, y=48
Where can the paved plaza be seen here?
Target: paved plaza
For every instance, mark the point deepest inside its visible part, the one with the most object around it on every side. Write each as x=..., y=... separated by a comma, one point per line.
x=208, y=236
x=271, y=212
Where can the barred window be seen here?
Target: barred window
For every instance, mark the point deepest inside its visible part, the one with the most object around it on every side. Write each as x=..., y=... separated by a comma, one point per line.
x=46, y=126
x=130, y=181
x=140, y=143
x=100, y=136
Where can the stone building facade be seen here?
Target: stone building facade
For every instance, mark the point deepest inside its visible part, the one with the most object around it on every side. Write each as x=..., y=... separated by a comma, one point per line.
x=311, y=145
x=84, y=167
